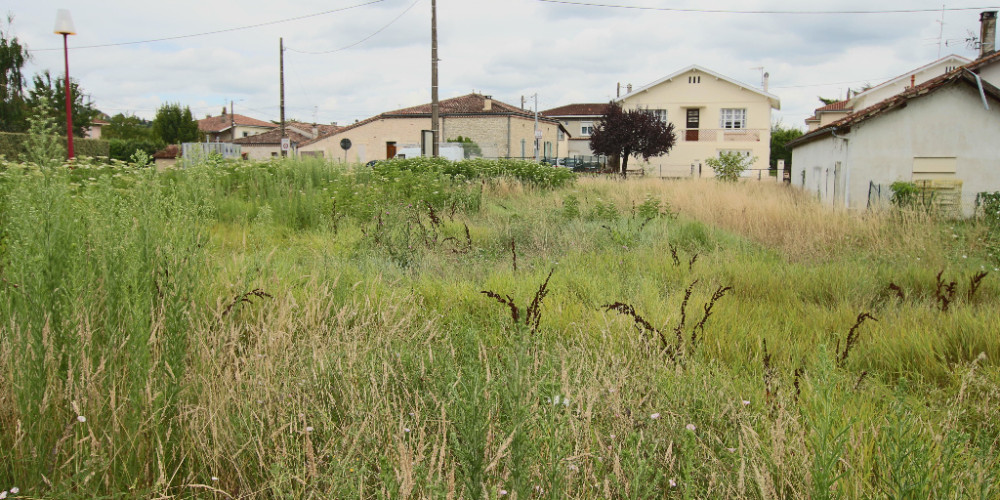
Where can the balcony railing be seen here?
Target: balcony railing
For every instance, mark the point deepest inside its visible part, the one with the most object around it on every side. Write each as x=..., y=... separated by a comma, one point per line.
x=722, y=134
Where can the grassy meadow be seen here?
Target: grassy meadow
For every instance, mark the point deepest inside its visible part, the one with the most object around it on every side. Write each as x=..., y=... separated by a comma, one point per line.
x=423, y=329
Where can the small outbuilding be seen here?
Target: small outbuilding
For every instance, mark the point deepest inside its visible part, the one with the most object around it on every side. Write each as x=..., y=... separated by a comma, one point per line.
x=940, y=135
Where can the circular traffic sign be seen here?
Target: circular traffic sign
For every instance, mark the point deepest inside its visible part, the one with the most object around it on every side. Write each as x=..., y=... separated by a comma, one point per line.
x=345, y=144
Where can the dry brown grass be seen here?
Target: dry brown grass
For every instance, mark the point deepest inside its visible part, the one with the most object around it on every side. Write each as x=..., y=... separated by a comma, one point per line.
x=778, y=216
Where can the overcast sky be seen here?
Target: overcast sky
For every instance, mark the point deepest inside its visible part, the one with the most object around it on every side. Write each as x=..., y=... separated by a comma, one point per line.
x=505, y=48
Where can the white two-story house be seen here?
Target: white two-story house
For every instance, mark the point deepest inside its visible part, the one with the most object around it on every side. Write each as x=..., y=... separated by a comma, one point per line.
x=711, y=113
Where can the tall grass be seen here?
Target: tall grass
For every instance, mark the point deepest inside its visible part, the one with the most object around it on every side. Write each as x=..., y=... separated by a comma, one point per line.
x=298, y=329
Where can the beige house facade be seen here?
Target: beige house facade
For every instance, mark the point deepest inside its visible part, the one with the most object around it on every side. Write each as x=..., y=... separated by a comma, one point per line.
x=228, y=127
x=579, y=119
x=711, y=113
x=499, y=129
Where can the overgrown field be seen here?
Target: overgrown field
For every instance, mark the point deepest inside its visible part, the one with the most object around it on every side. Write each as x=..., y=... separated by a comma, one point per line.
x=485, y=330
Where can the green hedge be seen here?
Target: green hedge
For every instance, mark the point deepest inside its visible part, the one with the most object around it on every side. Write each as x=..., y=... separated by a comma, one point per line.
x=12, y=146
x=123, y=149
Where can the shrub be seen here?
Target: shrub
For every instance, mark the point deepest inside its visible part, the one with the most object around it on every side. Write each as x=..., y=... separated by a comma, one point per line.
x=988, y=206
x=730, y=165
x=123, y=149
x=904, y=194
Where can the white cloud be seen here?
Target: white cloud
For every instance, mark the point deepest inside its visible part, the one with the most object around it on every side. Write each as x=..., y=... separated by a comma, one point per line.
x=504, y=48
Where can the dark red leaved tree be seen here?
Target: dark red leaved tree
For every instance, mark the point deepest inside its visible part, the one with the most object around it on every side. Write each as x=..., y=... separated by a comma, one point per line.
x=636, y=132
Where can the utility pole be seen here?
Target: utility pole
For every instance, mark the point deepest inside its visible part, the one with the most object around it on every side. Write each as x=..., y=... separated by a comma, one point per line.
x=435, y=109
x=281, y=64
x=232, y=121
x=536, y=127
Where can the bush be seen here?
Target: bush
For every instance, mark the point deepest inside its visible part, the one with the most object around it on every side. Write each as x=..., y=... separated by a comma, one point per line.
x=13, y=145
x=123, y=149
x=988, y=206
x=904, y=194
x=729, y=165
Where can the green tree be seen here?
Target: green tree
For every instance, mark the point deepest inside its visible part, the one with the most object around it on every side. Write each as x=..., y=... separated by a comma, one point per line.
x=780, y=137
x=826, y=100
x=13, y=55
x=48, y=97
x=128, y=127
x=729, y=165
x=638, y=132
x=174, y=125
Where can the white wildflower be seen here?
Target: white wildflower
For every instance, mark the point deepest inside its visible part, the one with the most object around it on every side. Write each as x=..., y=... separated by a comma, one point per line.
x=15, y=490
x=406, y=429
x=309, y=429
x=654, y=416
x=746, y=402
x=503, y=493
x=673, y=484
x=214, y=479
x=81, y=418
x=731, y=450
x=690, y=427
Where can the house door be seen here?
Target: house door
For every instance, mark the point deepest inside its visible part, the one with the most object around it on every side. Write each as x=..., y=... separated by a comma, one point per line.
x=838, y=185
x=390, y=150
x=693, y=122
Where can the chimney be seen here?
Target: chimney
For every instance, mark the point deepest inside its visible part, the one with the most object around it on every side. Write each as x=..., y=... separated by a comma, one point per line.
x=223, y=111
x=766, y=81
x=913, y=81
x=487, y=103
x=315, y=131
x=628, y=89
x=987, y=33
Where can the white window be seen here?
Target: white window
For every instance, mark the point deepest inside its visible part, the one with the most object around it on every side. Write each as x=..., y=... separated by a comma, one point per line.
x=660, y=114
x=586, y=128
x=560, y=135
x=733, y=118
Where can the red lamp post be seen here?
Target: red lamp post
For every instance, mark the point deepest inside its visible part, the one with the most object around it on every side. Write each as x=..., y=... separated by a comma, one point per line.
x=64, y=27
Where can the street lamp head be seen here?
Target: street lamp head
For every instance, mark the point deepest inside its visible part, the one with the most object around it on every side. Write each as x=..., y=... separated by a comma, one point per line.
x=64, y=23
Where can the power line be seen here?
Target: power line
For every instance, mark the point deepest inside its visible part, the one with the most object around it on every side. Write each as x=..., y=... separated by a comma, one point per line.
x=731, y=11
x=359, y=42
x=830, y=83
x=216, y=32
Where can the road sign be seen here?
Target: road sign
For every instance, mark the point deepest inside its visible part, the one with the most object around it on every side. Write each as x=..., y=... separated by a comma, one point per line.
x=538, y=134
x=286, y=144
x=345, y=144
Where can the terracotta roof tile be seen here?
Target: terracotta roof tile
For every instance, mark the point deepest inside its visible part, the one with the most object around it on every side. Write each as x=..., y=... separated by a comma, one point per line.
x=272, y=137
x=170, y=152
x=836, y=106
x=223, y=122
x=585, y=109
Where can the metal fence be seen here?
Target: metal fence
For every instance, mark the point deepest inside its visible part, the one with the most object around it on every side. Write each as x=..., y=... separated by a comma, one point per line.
x=194, y=152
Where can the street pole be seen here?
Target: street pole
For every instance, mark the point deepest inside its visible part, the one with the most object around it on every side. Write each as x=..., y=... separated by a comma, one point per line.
x=435, y=109
x=281, y=59
x=64, y=26
x=69, y=101
x=536, y=126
